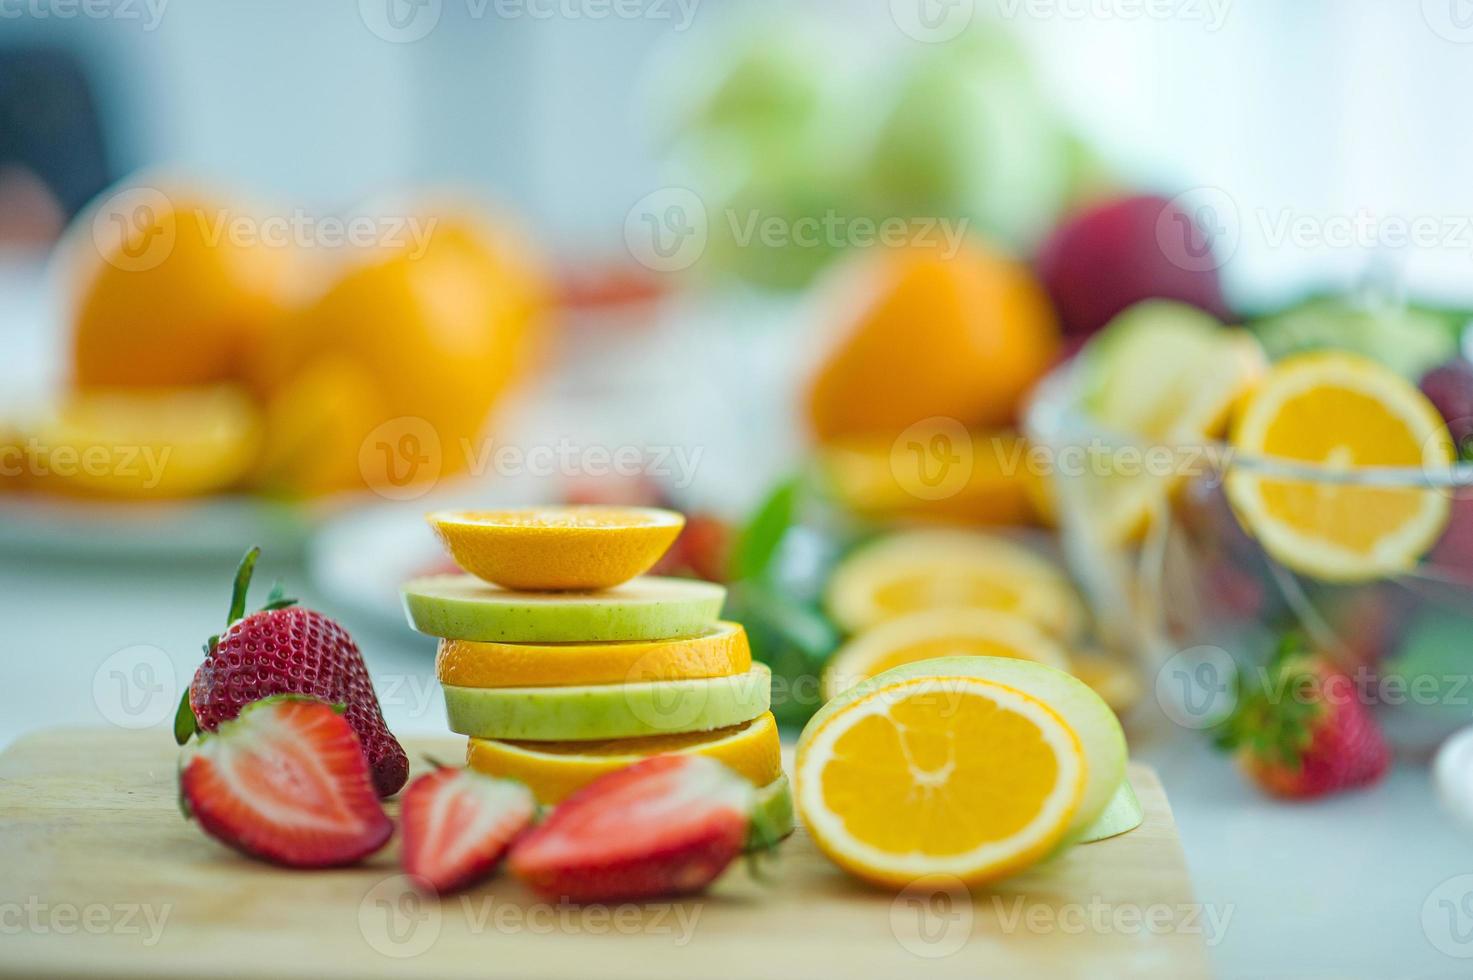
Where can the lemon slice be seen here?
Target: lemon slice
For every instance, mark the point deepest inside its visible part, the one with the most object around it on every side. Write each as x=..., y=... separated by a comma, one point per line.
x=944, y=774
x=1163, y=376
x=939, y=633
x=581, y=548
x=1340, y=411
x=553, y=770
x=718, y=651
x=919, y=570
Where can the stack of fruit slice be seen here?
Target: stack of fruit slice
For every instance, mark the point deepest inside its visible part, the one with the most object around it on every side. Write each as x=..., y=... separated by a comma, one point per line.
x=562, y=662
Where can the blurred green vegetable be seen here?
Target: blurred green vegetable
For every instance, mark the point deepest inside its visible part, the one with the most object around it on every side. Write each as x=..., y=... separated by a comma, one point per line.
x=1406, y=339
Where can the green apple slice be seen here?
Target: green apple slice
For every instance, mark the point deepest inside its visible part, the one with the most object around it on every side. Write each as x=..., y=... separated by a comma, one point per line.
x=1122, y=814
x=462, y=607
x=602, y=711
x=772, y=815
x=1082, y=710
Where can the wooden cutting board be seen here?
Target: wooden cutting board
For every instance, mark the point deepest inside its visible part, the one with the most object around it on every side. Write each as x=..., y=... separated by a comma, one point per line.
x=100, y=876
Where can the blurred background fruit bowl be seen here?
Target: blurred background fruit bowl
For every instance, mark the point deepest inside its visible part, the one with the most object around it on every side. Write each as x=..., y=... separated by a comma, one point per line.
x=1203, y=593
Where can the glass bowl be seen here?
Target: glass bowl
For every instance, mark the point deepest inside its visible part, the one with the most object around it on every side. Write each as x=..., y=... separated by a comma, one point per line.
x=1179, y=580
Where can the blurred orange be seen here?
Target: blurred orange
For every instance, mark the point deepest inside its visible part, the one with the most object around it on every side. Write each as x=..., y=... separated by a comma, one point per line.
x=958, y=336
x=434, y=331
x=166, y=294
x=155, y=444
x=993, y=482
x=315, y=423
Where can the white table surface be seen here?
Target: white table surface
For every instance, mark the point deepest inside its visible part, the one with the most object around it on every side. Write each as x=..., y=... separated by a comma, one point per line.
x=1335, y=889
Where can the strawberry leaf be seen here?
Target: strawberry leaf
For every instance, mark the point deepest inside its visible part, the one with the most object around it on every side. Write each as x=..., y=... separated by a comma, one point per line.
x=277, y=599
x=242, y=585
x=1275, y=719
x=185, y=723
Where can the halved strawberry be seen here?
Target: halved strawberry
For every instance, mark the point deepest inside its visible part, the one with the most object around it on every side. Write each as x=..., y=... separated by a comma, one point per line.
x=457, y=825
x=285, y=781
x=663, y=826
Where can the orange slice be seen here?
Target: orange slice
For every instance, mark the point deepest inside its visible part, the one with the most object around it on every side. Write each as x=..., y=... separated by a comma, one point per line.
x=938, y=775
x=720, y=651
x=981, y=478
x=920, y=570
x=939, y=633
x=582, y=548
x=1339, y=412
x=553, y=770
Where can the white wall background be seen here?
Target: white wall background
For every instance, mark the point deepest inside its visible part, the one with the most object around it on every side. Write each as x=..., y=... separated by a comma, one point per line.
x=1320, y=108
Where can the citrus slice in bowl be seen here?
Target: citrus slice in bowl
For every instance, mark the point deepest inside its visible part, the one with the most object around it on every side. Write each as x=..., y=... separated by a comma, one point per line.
x=919, y=570
x=1336, y=412
x=553, y=770
x=717, y=651
x=1162, y=379
x=939, y=633
x=939, y=774
x=575, y=548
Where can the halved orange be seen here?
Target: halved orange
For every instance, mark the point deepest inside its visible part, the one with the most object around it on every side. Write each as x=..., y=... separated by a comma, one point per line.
x=918, y=570
x=580, y=548
x=720, y=651
x=553, y=770
x=947, y=775
x=1340, y=412
x=939, y=633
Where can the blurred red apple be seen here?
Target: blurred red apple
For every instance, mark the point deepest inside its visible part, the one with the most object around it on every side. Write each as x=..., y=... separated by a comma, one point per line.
x=1113, y=255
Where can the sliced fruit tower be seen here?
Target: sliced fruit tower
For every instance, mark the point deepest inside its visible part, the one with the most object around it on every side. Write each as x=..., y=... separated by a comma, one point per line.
x=561, y=662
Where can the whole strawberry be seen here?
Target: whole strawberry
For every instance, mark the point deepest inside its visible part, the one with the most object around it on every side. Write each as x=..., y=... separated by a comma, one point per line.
x=284, y=649
x=1304, y=732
